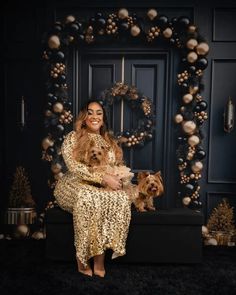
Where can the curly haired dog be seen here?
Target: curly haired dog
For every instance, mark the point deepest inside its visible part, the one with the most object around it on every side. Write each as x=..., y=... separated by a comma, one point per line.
x=149, y=187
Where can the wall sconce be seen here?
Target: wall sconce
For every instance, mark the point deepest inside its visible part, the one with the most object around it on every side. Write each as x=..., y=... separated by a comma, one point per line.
x=229, y=116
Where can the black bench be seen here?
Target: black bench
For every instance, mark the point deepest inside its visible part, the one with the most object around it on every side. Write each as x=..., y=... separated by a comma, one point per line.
x=162, y=236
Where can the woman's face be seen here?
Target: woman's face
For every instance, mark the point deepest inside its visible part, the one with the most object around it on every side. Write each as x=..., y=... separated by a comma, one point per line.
x=94, y=119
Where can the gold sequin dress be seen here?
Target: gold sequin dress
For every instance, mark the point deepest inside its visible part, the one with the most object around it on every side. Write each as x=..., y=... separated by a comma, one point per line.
x=101, y=218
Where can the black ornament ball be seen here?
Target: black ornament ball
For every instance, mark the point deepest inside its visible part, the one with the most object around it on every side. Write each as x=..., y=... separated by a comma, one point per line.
x=188, y=189
x=200, y=154
x=60, y=128
x=163, y=21
x=202, y=63
x=183, y=22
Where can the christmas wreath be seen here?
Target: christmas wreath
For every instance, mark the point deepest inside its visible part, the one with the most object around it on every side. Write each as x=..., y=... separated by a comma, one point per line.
x=121, y=25
x=141, y=104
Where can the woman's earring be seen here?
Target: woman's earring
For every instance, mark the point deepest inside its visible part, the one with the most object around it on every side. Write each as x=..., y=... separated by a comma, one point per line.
x=83, y=124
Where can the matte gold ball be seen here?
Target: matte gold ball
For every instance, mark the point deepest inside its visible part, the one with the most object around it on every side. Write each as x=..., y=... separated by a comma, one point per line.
x=193, y=140
x=189, y=127
x=187, y=98
x=46, y=143
x=70, y=19
x=191, y=43
x=192, y=29
x=54, y=42
x=167, y=33
x=186, y=201
x=192, y=57
x=58, y=107
x=123, y=13
x=56, y=168
x=197, y=166
x=22, y=231
x=178, y=118
x=135, y=31
x=152, y=13
x=202, y=48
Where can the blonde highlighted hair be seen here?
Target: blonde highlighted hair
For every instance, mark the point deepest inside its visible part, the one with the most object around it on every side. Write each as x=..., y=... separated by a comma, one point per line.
x=82, y=134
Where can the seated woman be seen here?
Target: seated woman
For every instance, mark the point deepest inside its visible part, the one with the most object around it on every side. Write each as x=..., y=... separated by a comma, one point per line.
x=101, y=216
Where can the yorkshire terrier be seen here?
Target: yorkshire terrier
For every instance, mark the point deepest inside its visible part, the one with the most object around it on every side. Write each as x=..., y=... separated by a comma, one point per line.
x=96, y=159
x=149, y=187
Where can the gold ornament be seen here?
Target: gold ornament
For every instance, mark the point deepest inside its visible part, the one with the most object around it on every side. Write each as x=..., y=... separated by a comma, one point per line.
x=186, y=201
x=192, y=57
x=58, y=107
x=47, y=142
x=197, y=166
x=135, y=31
x=69, y=19
x=191, y=44
x=192, y=29
x=54, y=42
x=56, y=168
x=152, y=13
x=187, y=98
x=193, y=140
x=189, y=127
x=22, y=231
x=123, y=13
x=167, y=33
x=178, y=118
x=202, y=48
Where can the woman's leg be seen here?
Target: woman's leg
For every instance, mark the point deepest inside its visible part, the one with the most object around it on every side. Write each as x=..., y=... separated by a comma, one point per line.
x=99, y=268
x=84, y=270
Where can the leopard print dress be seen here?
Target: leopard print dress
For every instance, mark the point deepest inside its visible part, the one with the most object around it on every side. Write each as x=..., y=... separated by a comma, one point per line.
x=101, y=218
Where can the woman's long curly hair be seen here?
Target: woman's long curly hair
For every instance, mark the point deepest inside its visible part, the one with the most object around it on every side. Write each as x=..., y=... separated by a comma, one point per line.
x=82, y=134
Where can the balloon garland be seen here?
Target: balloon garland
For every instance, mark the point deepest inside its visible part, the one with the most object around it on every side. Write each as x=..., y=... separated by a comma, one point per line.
x=178, y=32
x=141, y=104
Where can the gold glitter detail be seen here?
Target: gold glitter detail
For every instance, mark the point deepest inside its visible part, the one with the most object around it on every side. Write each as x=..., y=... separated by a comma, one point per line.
x=101, y=218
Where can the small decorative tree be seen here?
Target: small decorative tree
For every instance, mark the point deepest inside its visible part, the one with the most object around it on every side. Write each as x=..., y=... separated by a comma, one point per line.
x=20, y=193
x=221, y=222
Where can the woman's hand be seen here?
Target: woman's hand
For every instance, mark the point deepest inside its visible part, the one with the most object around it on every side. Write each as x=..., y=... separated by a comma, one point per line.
x=112, y=181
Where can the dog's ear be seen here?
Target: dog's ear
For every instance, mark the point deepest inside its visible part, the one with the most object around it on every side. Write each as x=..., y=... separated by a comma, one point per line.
x=92, y=143
x=142, y=175
x=158, y=174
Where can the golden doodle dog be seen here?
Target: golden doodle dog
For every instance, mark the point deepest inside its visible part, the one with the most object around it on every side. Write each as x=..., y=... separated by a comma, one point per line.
x=149, y=187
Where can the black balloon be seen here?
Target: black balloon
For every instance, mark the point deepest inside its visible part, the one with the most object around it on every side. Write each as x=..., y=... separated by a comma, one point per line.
x=183, y=22
x=200, y=106
x=192, y=69
x=60, y=128
x=124, y=26
x=163, y=21
x=51, y=151
x=101, y=22
x=188, y=189
x=200, y=154
x=180, y=161
x=202, y=63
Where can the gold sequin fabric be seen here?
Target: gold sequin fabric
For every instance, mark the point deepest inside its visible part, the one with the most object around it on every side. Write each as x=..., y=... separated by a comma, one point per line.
x=101, y=218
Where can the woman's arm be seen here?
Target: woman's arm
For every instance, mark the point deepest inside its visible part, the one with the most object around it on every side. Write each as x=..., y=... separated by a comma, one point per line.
x=74, y=166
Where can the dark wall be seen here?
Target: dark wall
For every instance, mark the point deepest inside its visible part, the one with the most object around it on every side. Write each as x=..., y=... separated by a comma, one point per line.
x=24, y=25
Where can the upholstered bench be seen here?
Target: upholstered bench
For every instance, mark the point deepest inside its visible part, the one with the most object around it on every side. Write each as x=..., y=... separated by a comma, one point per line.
x=162, y=236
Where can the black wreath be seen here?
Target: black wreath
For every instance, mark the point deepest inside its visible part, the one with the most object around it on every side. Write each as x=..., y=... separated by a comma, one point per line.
x=153, y=29
x=138, y=102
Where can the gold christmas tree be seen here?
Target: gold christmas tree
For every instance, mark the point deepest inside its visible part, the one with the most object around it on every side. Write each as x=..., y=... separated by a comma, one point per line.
x=20, y=194
x=222, y=218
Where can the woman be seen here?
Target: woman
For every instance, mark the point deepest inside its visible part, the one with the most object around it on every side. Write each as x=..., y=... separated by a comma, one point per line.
x=101, y=216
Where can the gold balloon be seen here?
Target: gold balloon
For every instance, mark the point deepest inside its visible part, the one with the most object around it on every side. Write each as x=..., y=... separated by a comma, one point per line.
x=189, y=127
x=192, y=57
x=197, y=166
x=22, y=231
x=193, y=140
x=191, y=43
x=47, y=142
x=202, y=48
x=56, y=168
x=123, y=13
x=186, y=201
x=178, y=118
x=152, y=13
x=54, y=42
x=58, y=107
x=187, y=98
x=167, y=33
x=70, y=19
x=135, y=31
x=192, y=29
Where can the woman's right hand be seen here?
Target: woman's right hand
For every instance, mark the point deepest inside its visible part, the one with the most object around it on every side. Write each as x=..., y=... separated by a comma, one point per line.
x=112, y=181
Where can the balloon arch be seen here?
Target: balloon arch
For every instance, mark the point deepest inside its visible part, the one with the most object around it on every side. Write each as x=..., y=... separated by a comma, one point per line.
x=177, y=32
